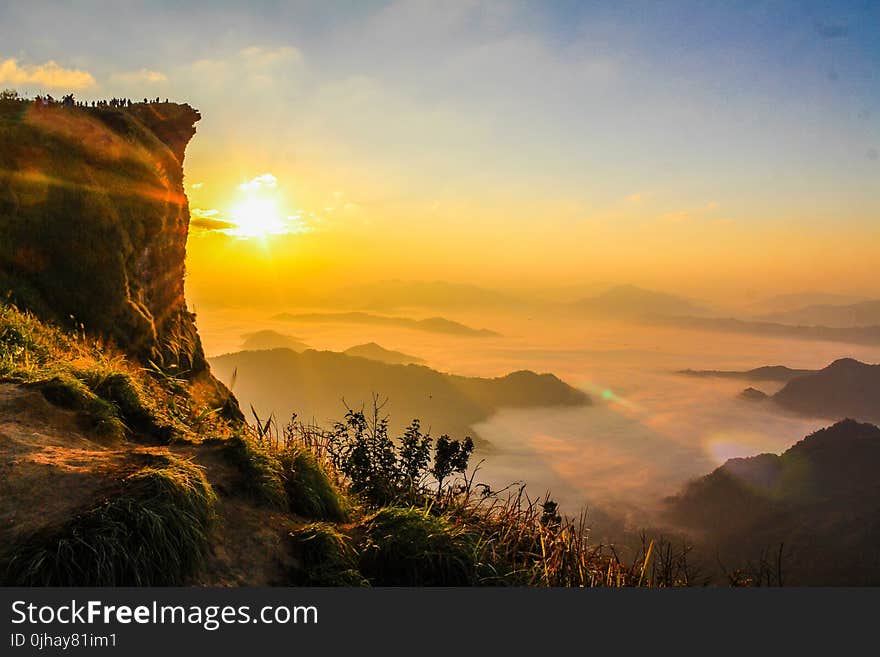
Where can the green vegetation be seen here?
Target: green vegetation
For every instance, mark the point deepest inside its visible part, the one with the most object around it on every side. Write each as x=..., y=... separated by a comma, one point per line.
x=262, y=473
x=115, y=397
x=311, y=492
x=154, y=532
x=328, y=558
x=413, y=547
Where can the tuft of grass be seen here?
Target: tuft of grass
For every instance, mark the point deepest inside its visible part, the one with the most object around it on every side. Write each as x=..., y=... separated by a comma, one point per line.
x=154, y=533
x=262, y=473
x=310, y=491
x=412, y=547
x=328, y=558
x=129, y=397
x=67, y=391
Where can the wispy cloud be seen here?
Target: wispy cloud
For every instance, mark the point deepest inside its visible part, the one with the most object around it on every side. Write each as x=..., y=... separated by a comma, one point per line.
x=209, y=220
x=140, y=76
x=48, y=75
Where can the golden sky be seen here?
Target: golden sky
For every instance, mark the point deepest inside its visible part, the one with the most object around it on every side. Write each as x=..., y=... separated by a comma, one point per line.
x=700, y=149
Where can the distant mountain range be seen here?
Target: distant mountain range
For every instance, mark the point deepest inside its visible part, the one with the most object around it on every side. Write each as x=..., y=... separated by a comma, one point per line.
x=867, y=335
x=864, y=313
x=432, y=324
x=629, y=301
x=314, y=384
x=787, y=302
x=819, y=501
x=846, y=388
x=377, y=352
x=766, y=373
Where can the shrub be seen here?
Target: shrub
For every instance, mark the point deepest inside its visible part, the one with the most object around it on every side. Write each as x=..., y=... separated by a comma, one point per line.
x=155, y=532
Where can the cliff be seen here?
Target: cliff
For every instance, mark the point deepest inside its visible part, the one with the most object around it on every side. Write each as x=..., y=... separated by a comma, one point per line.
x=94, y=221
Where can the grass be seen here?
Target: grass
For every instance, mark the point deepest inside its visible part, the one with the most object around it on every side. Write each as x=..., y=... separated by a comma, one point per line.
x=154, y=533
x=262, y=473
x=311, y=492
x=412, y=547
x=81, y=373
x=327, y=555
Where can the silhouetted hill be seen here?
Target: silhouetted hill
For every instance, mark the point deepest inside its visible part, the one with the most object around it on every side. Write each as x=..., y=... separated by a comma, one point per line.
x=432, y=324
x=865, y=313
x=765, y=373
x=869, y=335
x=846, y=388
x=786, y=302
x=820, y=499
x=313, y=384
x=377, y=352
x=269, y=339
x=630, y=301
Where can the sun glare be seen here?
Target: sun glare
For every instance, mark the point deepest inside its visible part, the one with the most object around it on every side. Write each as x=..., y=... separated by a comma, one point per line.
x=257, y=217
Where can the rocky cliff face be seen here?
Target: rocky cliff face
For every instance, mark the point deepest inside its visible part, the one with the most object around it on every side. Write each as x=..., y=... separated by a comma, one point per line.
x=94, y=221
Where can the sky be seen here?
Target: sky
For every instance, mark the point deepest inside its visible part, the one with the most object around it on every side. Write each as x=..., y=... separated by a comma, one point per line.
x=709, y=148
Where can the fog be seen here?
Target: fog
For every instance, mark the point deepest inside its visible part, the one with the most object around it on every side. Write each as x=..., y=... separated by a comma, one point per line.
x=648, y=430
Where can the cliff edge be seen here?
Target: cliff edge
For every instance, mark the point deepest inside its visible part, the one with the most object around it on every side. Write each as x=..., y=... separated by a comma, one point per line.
x=94, y=222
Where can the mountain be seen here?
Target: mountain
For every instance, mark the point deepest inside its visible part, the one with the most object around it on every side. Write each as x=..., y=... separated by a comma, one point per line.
x=269, y=339
x=765, y=373
x=865, y=335
x=864, y=313
x=846, y=388
x=820, y=500
x=788, y=302
x=629, y=301
x=314, y=384
x=431, y=325
x=373, y=351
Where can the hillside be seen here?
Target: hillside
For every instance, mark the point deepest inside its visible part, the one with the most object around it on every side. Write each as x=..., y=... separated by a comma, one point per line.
x=374, y=351
x=846, y=388
x=765, y=373
x=820, y=499
x=313, y=384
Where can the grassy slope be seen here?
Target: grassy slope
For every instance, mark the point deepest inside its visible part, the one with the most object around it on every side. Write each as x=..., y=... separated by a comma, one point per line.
x=139, y=484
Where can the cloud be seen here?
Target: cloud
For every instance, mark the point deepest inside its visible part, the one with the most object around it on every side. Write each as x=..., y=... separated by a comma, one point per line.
x=209, y=220
x=142, y=75
x=197, y=185
x=265, y=56
x=49, y=75
x=266, y=180
x=693, y=213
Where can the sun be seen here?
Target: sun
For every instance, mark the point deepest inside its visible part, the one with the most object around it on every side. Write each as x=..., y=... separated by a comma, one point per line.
x=256, y=217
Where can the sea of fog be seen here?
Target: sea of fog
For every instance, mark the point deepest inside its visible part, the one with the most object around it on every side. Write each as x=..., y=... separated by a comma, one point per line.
x=648, y=430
